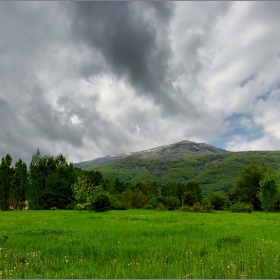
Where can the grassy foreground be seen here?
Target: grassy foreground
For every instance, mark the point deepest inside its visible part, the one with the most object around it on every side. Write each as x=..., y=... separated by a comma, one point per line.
x=139, y=244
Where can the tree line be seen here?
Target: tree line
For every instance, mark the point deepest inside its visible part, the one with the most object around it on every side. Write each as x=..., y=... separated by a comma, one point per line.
x=53, y=183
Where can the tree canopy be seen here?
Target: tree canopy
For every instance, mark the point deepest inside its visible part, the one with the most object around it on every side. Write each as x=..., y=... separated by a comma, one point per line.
x=247, y=186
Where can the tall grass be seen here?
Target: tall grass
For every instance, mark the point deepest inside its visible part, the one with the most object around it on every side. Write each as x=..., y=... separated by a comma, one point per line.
x=139, y=244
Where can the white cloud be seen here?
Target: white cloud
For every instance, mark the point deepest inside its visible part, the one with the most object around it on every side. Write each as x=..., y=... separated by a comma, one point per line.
x=87, y=86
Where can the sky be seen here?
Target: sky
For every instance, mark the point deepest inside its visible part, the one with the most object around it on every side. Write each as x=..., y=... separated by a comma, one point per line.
x=90, y=79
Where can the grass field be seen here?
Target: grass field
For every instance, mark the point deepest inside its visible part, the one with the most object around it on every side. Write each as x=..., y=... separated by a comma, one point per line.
x=139, y=244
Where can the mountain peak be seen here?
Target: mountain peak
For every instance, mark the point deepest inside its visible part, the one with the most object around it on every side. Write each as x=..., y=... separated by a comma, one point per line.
x=185, y=148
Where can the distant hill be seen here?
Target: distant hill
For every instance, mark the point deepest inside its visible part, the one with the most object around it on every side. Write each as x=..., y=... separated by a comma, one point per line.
x=213, y=172
x=181, y=149
x=215, y=169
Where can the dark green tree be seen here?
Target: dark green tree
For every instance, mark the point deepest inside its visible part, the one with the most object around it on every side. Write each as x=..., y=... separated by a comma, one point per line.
x=172, y=203
x=6, y=179
x=192, y=194
x=95, y=177
x=219, y=200
x=109, y=185
x=174, y=189
x=149, y=189
x=126, y=198
x=268, y=193
x=169, y=189
x=247, y=186
x=155, y=201
x=119, y=186
x=138, y=199
x=20, y=182
x=50, y=182
x=101, y=203
x=36, y=181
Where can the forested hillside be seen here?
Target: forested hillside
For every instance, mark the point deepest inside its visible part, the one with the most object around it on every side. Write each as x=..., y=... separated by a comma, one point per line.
x=212, y=172
x=219, y=180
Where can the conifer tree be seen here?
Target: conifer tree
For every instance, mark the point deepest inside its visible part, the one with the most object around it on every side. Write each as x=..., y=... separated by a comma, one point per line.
x=6, y=176
x=20, y=182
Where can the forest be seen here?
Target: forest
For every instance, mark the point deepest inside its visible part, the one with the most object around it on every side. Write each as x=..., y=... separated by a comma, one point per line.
x=50, y=183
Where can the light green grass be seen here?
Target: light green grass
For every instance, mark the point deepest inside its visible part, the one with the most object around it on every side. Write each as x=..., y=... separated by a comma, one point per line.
x=139, y=244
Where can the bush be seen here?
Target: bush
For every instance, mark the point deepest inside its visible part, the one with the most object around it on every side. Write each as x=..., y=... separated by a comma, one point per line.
x=197, y=207
x=148, y=207
x=172, y=203
x=208, y=208
x=119, y=207
x=185, y=208
x=80, y=206
x=268, y=194
x=219, y=200
x=241, y=207
x=115, y=203
x=101, y=203
x=160, y=207
x=138, y=199
x=155, y=201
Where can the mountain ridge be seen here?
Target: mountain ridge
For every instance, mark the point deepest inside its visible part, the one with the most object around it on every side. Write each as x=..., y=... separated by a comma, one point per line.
x=214, y=172
x=184, y=148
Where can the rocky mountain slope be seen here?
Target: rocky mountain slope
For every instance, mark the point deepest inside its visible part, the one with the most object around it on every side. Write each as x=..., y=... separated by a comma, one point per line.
x=181, y=149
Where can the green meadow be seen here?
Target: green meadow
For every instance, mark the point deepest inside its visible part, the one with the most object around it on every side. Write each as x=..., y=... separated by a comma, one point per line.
x=139, y=244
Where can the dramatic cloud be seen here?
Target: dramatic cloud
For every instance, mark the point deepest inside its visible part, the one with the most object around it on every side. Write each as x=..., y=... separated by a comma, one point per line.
x=88, y=79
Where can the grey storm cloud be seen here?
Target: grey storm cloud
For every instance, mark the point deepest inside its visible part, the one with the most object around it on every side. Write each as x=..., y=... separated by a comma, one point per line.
x=90, y=79
x=45, y=122
x=132, y=45
x=93, y=123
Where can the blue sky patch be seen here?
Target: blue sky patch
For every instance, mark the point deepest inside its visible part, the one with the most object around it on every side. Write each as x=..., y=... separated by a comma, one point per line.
x=235, y=127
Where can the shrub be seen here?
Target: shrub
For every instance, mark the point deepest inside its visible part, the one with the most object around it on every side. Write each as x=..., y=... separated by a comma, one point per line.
x=80, y=206
x=185, y=208
x=172, y=203
x=138, y=199
x=101, y=203
x=160, y=207
x=219, y=200
x=115, y=203
x=268, y=193
x=197, y=207
x=120, y=207
x=241, y=207
x=154, y=201
x=148, y=207
x=208, y=207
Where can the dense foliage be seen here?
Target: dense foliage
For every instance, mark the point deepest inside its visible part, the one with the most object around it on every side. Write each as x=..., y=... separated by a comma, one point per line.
x=52, y=183
x=216, y=172
x=269, y=193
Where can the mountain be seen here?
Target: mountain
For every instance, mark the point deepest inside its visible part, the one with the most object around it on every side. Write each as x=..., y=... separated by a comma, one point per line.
x=181, y=149
x=214, y=172
x=213, y=168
